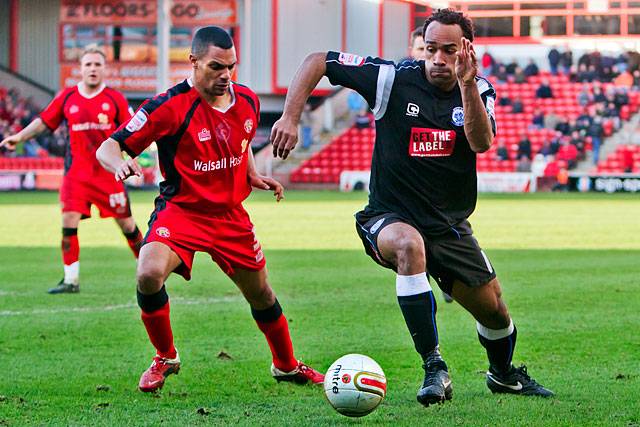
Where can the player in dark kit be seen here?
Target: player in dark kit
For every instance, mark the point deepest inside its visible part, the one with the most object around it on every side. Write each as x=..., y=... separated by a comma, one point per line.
x=203, y=128
x=432, y=117
x=92, y=112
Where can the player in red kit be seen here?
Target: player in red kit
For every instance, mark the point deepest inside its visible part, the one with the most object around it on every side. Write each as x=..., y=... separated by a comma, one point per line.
x=92, y=112
x=203, y=128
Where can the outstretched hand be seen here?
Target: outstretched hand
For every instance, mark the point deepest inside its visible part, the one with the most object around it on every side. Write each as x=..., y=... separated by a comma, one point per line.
x=266, y=183
x=10, y=142
x=466, y=63
x=284, y=137
x=128, y=168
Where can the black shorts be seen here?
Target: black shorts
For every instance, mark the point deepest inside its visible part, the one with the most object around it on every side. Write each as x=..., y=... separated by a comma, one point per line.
x=449, y=258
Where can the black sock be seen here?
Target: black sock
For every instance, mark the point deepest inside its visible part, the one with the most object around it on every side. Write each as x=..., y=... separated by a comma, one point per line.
x=499, y=345
x=419, y=313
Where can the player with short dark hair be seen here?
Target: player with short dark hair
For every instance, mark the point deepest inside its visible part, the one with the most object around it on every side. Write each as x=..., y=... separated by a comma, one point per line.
x=203, y=128
x=92, y=112
x=432, y=117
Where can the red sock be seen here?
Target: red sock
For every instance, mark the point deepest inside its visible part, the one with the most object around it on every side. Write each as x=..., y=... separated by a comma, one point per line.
x=277, y=334
x=70, y=249
x=158, y=327
x=134, y=240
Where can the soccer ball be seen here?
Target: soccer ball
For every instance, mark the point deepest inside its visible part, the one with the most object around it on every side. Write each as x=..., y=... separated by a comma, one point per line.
x=355, y=385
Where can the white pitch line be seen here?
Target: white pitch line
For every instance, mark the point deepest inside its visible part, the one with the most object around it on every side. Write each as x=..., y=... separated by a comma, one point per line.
x=174, y=301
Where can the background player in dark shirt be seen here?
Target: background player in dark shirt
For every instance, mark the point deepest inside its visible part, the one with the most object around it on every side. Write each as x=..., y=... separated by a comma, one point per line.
x=203, y=128
x=92, y=111
x=432, y=117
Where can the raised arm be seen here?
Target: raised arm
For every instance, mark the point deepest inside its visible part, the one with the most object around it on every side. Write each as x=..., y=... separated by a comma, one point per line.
x=110, y=157
x=477, y=125
x=284, y=134
x=34, y=128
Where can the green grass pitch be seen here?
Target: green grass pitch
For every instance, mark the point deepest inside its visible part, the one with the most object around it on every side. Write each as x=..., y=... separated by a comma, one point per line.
x=569, y=266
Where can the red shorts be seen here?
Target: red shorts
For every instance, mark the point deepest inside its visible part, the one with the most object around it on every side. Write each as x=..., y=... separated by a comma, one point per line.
x=109, y=196
x=228, y=237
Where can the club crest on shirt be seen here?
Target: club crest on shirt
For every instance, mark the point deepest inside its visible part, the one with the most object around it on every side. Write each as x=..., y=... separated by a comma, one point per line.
x=223, y=132
x=137, y=122
x=163, y=232
x=248, y=125
x=204, y=135
x=74, y=109
x=105, y=106
x=457, y=116
x=350, y=59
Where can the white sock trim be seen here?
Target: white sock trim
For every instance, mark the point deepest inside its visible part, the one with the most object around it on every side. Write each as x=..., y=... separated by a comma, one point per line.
x=72, y=272
x=495, y=334
x=412, y=285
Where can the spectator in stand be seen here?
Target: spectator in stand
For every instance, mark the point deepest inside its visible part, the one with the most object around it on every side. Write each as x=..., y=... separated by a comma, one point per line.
x=517, y=107
x=504, y=100
x=621, y=97
x=524, y=164
x=501, y=152
x=596, y=131
x=554, y=60
x=636, y=79
x=511, y=67
x=583, y=75
x=624, y=79
x=524, y=146
x=562, y=180
x=538, y=119
x=563, y=126
x=592, y=73
x=577, y=141
x=598, y=96
x=306, y=127
x=584, y=120
x=531, y=69
x=355, y=103
x=552, y=168
x=566, y=60
x=519, y=76
x=573, y=74
x=605, y=75
x=544, y=90
x=627, y=160
x=567, y=152
x=487, y=63
x=501, y=74
x=612, y=112
x=364, y=119
x=584, y=97
x=551, y=120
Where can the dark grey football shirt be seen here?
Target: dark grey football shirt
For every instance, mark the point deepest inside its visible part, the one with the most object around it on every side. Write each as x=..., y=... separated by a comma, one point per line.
x=423, y=167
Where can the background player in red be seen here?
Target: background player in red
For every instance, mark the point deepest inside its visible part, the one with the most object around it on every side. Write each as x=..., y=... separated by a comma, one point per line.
x=92, y=112
x=203, y=128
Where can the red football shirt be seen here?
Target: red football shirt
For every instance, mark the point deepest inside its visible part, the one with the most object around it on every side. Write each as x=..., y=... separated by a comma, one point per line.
x=90, y=119
x=203, y=151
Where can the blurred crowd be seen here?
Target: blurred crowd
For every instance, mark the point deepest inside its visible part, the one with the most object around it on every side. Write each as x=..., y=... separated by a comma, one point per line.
x=16, y=112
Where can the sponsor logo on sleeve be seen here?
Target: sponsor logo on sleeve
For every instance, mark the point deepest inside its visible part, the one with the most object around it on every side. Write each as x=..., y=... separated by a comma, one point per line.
x=163, y=232
x=248, y=125
x=457, y=116
x=350, y=59
x=137, y=122
x=427, y=142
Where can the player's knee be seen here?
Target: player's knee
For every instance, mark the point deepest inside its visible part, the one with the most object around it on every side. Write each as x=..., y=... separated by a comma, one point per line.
x=410, y=247
x=150, y=279
x=262, y=296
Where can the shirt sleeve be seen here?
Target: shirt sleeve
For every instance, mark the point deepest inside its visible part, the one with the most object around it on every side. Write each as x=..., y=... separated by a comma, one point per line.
x=124, y=110
x=153, y=120
x=53, y=115
x=488, y=95
x=370, y=77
